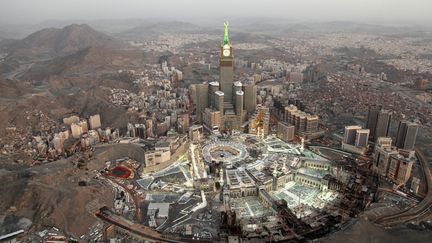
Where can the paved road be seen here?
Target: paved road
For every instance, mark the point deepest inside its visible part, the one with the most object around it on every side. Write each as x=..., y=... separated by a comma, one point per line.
x=422, y=210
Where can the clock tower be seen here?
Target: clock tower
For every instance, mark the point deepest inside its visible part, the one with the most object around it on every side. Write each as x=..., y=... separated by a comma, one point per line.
x=226, y=67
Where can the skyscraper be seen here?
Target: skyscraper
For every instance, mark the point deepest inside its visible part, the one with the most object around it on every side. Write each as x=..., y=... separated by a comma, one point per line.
x=250, y=96
x=372, y=119
x=202, y=98
x=239, y=102
x=406, y=135
x=350, y=134
x=400, y=169
x=226, y=67
x=355, y=139
x=362, y=137
x=220, y=101
x=383, y=124
x=223, y=105
x=212, y=89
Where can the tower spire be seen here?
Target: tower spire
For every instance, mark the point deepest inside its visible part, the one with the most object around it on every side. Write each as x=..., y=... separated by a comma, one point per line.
x=226, y=38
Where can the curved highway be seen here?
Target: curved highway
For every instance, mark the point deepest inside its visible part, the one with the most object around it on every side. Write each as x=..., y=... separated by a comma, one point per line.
x=143, y=232
x=424, y=208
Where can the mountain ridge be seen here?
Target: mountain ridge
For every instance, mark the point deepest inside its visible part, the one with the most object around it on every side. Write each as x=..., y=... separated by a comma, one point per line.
x=53, y=42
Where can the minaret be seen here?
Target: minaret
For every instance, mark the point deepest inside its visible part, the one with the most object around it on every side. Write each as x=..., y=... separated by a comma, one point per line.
x=284, y=168
x=275, y=172
x=226, y=67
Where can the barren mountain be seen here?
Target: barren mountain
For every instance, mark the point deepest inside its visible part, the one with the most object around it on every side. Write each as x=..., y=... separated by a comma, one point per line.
x=50, y=195
x=87, y=62
x=54, y=42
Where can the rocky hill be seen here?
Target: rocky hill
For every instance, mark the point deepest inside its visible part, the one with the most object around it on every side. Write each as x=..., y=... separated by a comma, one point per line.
x=53, y=42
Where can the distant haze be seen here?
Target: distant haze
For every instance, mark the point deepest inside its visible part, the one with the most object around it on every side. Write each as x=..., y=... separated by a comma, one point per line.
x=378, y=11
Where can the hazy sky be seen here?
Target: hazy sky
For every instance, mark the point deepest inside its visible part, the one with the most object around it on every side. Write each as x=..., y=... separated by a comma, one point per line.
x=33, y=11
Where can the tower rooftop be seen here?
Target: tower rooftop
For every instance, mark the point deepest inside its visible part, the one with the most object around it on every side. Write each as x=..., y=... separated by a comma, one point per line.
x=238, y=84
x=226, y=40
x=219, y=93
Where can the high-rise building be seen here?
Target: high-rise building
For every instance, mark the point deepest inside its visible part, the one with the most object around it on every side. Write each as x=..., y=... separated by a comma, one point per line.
x=383, y=124
x=355, y=139
x=294, y=77
x=256, y=77
x=213, y=88
x=381, y=159
x=384, y=142
x=162, y=128
x=195, y=133
x=238, y=86
x=131, y=130
x=212, y=118
x=58, y=143
x=84, y=126
x=362, y=137
x=226, y=104
x=289, y=114
x=311, y=123
x=306, y=125
x=149, y=125
x=202, y=98
x=93, y=137
x=300, y=121
x=400, y=169
x=183, y=122
x=76, y=130
x=140, y=131
x=350, y=134
x=179, y=75
x=406, y=135
x=239, y=102
x=372, y=120
x=285, y=131
x=409, y=154
x=220, y=101
x=95, y=122
x=226, y=67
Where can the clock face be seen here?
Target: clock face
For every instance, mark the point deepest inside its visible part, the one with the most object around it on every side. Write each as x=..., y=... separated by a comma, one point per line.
x=226, y=52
